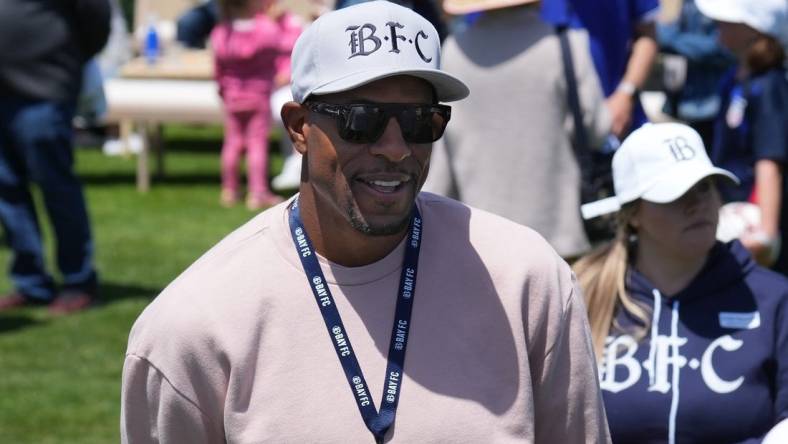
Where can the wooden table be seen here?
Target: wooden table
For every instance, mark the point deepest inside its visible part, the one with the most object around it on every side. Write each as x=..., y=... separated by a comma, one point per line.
x=178, y=88
x=182, y=64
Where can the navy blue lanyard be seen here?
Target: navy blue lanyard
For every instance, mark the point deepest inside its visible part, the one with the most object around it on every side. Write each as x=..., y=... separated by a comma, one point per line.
x=377, y=423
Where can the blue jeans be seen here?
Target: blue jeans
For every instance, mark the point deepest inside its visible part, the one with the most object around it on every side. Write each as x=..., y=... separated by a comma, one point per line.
x=36, y=146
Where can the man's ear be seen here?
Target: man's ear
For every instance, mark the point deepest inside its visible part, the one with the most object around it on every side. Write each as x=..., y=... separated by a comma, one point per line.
x=294, y=117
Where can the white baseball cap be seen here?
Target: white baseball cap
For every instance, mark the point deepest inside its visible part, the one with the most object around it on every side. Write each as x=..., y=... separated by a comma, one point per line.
x=767, y=16
x=658, y=162
x=353, y=46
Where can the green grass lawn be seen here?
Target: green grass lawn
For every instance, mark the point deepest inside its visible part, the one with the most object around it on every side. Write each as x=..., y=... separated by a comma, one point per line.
x=60, y=377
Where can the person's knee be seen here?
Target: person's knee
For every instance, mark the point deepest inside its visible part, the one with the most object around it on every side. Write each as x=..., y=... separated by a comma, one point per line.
x=44, y=134
x=39, y=122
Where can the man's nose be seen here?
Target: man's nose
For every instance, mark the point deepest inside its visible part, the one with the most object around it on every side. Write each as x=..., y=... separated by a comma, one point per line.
x=391, y=144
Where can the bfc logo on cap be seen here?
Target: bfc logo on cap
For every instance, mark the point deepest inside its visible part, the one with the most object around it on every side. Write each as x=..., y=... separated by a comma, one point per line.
x=364, y=40
x=680, y=148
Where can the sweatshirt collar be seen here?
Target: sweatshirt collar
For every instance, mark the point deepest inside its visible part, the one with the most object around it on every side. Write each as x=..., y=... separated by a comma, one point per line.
x=335, y=273
x=726, y=264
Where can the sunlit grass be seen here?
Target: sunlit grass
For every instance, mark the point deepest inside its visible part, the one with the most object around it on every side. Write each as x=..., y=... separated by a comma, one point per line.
x=60, y=377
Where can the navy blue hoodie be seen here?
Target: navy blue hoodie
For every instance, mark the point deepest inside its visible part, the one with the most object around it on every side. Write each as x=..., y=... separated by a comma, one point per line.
x=713, y=368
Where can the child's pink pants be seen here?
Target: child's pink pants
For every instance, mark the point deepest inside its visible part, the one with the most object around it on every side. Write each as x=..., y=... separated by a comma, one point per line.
x=246, y=130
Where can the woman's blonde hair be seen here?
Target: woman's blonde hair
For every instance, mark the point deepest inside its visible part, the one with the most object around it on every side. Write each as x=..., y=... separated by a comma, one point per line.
x=602, y=275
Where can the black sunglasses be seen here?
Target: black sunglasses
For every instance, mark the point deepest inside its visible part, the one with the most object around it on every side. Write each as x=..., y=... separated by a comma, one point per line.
x=365, y=122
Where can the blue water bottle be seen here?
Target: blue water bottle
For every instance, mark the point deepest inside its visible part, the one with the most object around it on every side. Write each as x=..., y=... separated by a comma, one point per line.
x=152, y=49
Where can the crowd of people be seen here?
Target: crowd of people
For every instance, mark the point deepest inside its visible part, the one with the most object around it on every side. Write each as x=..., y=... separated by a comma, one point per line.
x=458, y=234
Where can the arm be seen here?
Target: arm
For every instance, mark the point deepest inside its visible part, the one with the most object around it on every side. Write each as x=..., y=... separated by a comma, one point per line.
x=92, y=25
x=769, y=142
x=218, y=72
x=621, y=102
x=596, y=118
x=568, y=401
x=153, y=411
x=290, y=28
x=768, y=188
x=218, y=75
x=779, y=383
x=781, y=356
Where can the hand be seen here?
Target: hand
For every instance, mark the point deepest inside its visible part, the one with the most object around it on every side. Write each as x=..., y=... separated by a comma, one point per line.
x=281, y=80
x=764, y=251
x=274, y=10
x=620, y=105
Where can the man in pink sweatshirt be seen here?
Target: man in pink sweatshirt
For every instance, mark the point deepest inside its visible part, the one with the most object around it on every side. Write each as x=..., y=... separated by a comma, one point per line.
x=295, y=328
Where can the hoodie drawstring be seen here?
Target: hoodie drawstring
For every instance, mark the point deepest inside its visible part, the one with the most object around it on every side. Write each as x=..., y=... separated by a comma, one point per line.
x=652, y=351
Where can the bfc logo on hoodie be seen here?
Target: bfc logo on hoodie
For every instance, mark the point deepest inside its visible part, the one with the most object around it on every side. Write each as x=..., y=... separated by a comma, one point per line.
x=663, y=364
x=665, y=359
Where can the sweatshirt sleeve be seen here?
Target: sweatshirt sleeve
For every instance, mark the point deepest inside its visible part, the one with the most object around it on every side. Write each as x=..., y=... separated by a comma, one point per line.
x=781, y=355
x=568, y=403
x=154, y=411
x=768, y=110
x=217, y=47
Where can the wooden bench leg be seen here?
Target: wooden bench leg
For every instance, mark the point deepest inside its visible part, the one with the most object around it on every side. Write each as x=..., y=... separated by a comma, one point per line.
x=143, y=174
x=156, y=138
x=125, y=129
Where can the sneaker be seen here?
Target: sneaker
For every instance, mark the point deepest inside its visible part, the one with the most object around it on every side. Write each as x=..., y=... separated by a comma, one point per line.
x=290, y=177
x=71, y=301
x=18, y=300
x=260, y=201
x=117, y=147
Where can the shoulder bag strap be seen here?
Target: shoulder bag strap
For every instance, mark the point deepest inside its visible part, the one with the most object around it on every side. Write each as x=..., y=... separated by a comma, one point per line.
x=580, y=145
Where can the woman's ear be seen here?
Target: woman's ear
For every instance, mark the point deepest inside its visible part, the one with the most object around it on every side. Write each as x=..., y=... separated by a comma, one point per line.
x=294, y=117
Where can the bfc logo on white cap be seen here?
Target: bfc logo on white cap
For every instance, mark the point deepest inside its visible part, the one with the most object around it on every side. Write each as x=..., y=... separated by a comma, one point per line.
x=364, y=40
x=353, y=46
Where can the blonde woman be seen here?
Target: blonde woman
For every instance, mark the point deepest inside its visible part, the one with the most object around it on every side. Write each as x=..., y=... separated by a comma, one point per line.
x=690, y=334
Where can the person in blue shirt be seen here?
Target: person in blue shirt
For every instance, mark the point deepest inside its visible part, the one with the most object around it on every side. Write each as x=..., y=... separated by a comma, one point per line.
x=691, y=334
x=695, y=98
x=751, y=132
x=623, y=43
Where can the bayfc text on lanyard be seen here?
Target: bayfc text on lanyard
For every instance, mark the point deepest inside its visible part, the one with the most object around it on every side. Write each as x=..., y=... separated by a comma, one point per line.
x=377, y=422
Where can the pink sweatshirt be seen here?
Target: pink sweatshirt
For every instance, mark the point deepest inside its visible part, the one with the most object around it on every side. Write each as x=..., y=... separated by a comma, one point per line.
x=235, y=350
x=290, y=26
x=246, y=62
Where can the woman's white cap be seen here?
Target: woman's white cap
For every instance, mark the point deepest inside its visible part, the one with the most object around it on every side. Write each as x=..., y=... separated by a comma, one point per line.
x=353, y=46
x=767, y=16
x=658, y=162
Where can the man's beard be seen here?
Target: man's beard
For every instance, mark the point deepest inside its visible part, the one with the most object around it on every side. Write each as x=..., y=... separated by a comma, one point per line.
x=358, y=222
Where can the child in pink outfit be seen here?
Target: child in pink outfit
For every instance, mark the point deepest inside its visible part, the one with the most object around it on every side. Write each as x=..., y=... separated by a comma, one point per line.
x=247, y=45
